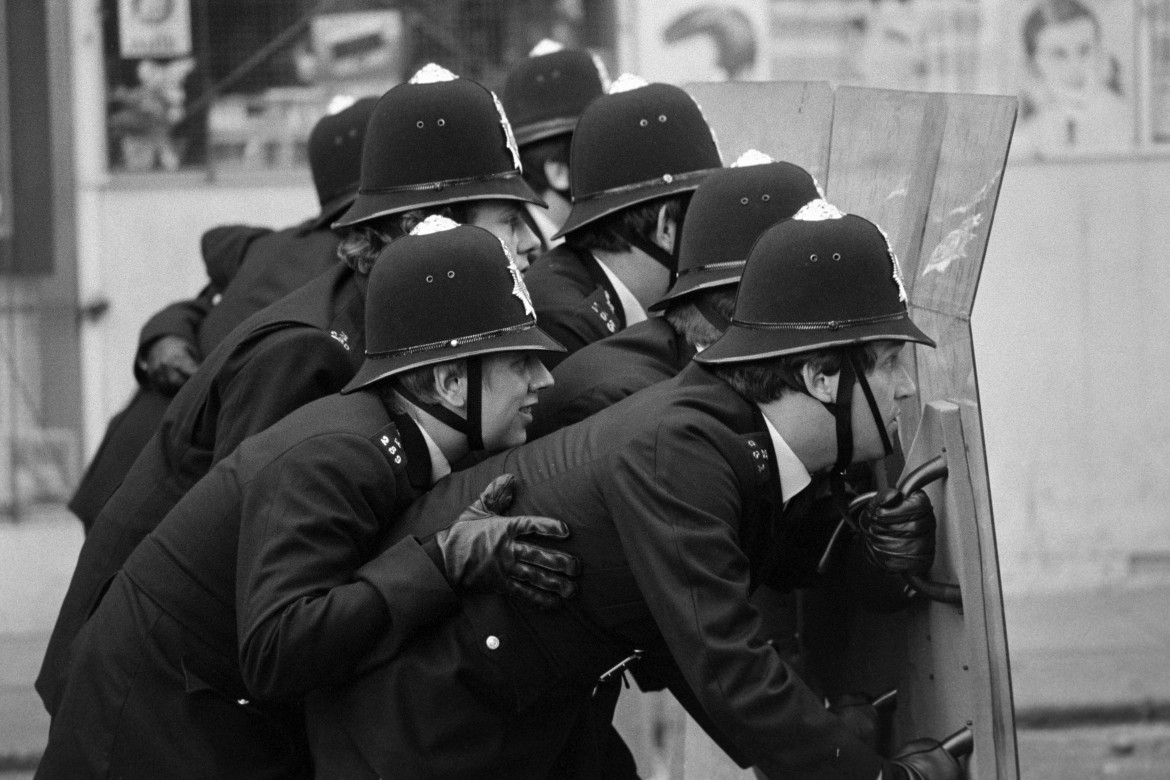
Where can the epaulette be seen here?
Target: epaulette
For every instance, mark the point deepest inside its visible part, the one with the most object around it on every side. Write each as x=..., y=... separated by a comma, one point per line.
x=761, y=455
x=603, y=308
x=389, y=442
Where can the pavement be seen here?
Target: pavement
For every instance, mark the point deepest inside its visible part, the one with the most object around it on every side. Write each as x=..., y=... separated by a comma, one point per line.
x=1080, y=659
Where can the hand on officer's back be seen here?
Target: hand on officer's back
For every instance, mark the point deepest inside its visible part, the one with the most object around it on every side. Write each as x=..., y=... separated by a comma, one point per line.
x=899, y=533
x=170, y=362
x=482, y=551
x=922, y=759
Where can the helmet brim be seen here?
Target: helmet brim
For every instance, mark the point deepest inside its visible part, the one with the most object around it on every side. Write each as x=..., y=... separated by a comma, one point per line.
x=375, y=369
x=371, y=205
x=695, y=282
x=593, y=209
x=740, y=344
x=539, y=131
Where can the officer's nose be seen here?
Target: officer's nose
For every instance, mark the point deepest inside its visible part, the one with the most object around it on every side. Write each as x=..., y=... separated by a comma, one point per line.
x=906, y=386
x=539, y=377
x=526, y=242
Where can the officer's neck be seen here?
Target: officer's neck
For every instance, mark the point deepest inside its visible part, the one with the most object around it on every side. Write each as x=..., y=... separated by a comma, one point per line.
x=451, y=442
x=645, y=277
x=807, y=427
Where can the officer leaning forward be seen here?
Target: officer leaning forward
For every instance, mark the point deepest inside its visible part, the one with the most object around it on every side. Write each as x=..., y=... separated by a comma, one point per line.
x=258, y=586
x=637, y=154
x=677, y=498
x=248, y=268
x=544, y=96
x=725, y=217
x=437, y=144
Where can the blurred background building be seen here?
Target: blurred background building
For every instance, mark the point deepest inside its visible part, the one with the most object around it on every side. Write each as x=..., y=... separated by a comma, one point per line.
x=129, y=127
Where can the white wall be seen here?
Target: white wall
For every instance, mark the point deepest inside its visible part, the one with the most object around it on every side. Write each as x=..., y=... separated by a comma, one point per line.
x=1070, y=327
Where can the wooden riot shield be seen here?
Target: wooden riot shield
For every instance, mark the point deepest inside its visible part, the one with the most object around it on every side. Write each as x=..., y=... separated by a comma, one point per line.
x=927, y=168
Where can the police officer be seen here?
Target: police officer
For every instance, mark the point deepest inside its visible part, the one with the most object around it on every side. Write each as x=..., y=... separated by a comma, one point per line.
x=727, y=214
x=271, y=545
x=544, y=95
x=637, y=154
x=681, y=499
x=248, y=268
x=435, y=144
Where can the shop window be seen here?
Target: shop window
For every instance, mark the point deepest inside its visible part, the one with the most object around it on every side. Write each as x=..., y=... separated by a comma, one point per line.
x=229, y=85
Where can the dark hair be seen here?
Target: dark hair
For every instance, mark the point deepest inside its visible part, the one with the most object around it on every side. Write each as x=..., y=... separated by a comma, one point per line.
x=729, y=29
x=533, y=156
x=689, y=322
x=762, y=381
x=1051, y=12
x=641, y=219
x=363, y=242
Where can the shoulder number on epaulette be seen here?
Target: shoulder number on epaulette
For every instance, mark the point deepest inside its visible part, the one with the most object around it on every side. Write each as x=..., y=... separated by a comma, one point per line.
x=601, y=305
x=761, y=454
x=390, y=443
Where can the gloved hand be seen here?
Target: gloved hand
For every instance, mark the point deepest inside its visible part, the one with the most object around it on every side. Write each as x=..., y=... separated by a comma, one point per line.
x=169, y=363
x=859, y=716
x=481, y=551
x=898, y=533
x=922, y=759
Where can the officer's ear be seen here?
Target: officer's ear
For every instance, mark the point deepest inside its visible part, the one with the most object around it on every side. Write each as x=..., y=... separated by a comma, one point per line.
x=820, y=385
x=665, y=229
x=451, y=383
x=556, y=173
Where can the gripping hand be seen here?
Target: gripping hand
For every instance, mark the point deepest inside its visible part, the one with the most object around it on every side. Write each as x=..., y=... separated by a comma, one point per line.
x=484, y=551
x=922, y=759
x=899, y=533
x=169, y=363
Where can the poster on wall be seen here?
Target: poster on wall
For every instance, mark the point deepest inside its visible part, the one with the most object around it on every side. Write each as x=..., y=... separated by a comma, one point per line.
x=697, y=40
x=1072, y=64
x=154, y=28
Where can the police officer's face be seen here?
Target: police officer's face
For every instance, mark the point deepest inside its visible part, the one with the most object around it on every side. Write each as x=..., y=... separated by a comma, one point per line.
x=891, y=383
x=503, y=218
x=511, y=381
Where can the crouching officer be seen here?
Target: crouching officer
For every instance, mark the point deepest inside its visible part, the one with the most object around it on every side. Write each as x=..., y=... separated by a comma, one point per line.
x=637, y=154
x=544, y=96
x=260, y=585
x=681, y=500
x=436, y=144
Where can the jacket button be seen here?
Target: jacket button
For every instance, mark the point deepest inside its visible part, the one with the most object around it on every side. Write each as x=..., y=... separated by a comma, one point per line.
x=492, y=642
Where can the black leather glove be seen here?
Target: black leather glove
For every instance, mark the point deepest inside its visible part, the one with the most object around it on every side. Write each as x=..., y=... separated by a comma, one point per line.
x=858, y=713
x=922, y=759
x=898, y=533
x=482, y=551
x=169, y=363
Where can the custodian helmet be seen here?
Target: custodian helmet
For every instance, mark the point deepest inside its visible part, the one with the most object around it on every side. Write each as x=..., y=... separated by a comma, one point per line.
x=545, y=93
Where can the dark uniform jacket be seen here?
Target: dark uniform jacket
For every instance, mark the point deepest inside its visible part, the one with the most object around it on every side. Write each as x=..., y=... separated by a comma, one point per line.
x=275, y=265
x=606, y=371
x=263, y=582
x=304, y=347
x=672, y=498
x=575, y=302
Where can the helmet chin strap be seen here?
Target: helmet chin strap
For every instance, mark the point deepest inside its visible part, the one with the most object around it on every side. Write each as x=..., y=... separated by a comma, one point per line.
x=472, y=426
x=842, y=411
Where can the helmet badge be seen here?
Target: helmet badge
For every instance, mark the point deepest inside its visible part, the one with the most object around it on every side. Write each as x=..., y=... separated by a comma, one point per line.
x=432, y=74
x=818, y=210
x=509, y=138
x=898, y=278
x=518, y=287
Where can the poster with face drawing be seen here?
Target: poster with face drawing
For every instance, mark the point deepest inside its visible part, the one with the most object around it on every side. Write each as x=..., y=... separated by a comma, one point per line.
x=679, y=42
x=1074, y=75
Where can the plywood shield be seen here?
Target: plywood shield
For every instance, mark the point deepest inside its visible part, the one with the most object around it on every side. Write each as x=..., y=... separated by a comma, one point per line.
x=927, y=168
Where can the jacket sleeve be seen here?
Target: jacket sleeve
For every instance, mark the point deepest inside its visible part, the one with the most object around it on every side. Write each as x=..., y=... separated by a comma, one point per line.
x=310, y=602
x=283, y=371
x=676, y=501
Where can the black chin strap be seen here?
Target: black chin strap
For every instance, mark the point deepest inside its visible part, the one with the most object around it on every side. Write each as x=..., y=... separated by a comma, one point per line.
x=668, y=260
x=472, y=426
x=843, y=412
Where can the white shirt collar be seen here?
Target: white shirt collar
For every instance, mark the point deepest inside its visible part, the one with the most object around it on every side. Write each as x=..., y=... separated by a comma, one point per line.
x=630, y=306
x=439, y=465
x=794, y=477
